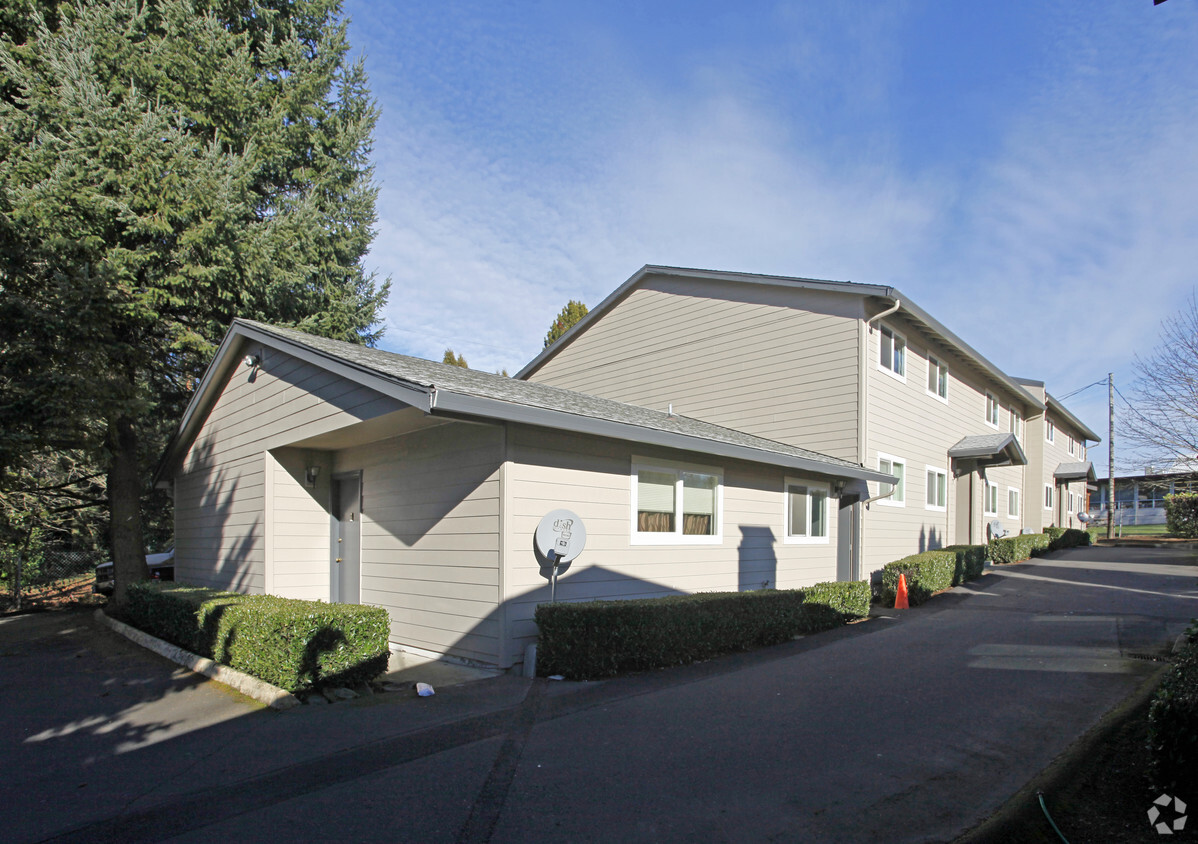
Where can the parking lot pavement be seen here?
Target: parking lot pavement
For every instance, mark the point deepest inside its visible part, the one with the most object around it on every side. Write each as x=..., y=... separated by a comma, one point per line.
x=909, y=727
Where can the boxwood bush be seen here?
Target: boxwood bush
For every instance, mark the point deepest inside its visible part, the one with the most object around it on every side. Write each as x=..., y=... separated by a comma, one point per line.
x=1014, y=549
x=1066, y=538
x=1173, y=721
x=931, y=572
x=292, y=644
x=584, y=641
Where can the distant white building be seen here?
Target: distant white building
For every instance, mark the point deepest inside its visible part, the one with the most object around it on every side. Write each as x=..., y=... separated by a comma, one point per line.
x=1140, y=499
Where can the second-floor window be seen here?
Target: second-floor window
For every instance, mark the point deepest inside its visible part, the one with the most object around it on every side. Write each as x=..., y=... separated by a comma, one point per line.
x=991, y=410
x=1050, y=430
x=1016, y=424
x=1071, y=443
x=937, y=378
x=892, y=352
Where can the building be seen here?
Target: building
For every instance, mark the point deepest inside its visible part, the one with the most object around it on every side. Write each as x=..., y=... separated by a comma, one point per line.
x=309, y=468
x=855, y=371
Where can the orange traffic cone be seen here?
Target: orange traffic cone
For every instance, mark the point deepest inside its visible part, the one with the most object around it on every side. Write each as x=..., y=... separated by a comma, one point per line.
x=900, y=595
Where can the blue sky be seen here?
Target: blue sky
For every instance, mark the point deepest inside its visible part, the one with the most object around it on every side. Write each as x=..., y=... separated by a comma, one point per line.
x=1025, y=171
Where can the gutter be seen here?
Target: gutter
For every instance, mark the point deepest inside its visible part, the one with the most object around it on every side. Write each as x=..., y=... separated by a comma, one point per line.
x=898, y=303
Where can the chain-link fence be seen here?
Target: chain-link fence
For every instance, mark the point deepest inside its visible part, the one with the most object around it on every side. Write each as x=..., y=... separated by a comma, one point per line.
x=26, y=574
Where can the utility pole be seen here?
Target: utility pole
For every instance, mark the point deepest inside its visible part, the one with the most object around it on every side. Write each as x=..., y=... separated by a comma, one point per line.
x=1110, y=452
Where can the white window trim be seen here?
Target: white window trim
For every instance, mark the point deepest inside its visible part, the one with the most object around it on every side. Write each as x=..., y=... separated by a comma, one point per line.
x=1071, y=444
x=1018, y=502
x=935, y=507
x=1017, y=422
x=677, y=537
x=933, y=393
x=788, y=539
x=889, y=501
x=1049, y=496
x=906, y=353
x=987, y=487
x=1050, y=430
x=997, y=410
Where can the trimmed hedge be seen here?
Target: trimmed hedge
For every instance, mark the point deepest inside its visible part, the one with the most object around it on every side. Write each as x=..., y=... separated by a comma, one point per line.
x=1066, y=538
x=1173, y=721
x=932, y=571
x=292, y=644
x=1014, y=549
x=584, y=641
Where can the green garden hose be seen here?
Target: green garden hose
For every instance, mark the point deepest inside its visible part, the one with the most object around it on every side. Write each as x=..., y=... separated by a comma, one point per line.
x=1044, y=808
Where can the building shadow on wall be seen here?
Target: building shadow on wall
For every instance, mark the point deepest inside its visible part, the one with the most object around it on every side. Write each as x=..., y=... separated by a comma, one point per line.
x=930, y=539
x=231, y=542
x=757, y=562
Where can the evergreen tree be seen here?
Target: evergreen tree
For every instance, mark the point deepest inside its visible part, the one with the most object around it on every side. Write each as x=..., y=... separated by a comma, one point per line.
x=571, y=313
x=454, y=360
x=164, y=168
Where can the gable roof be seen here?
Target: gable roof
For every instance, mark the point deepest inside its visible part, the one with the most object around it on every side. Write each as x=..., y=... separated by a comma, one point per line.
x=905, y=307
x=1083, y=471
x=990, y=450
x=441, y=389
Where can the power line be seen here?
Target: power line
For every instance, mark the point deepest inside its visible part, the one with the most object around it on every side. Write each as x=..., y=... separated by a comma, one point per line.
x=1081, y=389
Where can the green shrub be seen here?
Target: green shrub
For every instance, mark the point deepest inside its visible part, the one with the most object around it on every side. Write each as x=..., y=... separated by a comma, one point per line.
x=603, y=638
x=1173, y=722
x=292, y=644
x=1014, y=549
x=931, y=572
x=1181, y=514
x=1066, y=538
x=971, y=562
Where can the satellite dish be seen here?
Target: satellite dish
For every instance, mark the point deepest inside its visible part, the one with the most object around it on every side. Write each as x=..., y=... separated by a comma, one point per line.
x=560, y=536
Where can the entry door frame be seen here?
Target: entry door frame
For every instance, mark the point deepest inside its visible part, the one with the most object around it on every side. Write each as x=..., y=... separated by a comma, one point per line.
x=338, y=550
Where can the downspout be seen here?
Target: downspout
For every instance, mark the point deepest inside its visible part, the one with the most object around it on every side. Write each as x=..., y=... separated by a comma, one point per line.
x=898, y=303
x=863, y=432
x=868, y=501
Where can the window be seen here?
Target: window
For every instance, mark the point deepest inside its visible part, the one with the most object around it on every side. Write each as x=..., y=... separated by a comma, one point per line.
x=937, y=379
x=990, y=499
x=1050, y=430
x=898, y=467
x=1013, y=502
x=806, y=512
x=1070, y=503
x=991, y=410
x=676, y=504
x=937, y=489
x=1016, y=424
x=892, y=353
x=1048, y=496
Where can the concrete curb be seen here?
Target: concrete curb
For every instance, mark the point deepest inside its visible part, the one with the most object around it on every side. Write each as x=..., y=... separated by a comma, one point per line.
x=259, y=690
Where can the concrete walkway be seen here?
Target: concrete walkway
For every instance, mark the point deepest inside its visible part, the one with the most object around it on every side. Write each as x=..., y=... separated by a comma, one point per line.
x=910, y=727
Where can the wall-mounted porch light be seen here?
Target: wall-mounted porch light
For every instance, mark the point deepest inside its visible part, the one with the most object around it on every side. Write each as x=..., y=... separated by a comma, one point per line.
x=311, y=474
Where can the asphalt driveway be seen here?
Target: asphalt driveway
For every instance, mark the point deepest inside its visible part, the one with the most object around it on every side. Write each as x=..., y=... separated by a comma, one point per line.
x=910, y=727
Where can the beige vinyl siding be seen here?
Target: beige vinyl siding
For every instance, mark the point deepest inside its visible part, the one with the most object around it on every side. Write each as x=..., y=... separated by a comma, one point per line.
x=220, y=490
x=298, y=525
x=1054, y=454
x=548, y=470
x=776, y=362
x=430, y=536
x=904, y=421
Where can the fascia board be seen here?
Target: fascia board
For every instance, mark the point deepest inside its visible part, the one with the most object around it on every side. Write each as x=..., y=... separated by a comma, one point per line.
x=968, y=351
x=457, y=403
x=705, y=275
x=1057, y=407
x=227, y=356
